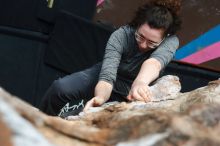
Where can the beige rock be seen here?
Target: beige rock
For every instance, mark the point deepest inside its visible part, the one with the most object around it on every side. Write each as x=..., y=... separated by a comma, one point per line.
x=176, y=118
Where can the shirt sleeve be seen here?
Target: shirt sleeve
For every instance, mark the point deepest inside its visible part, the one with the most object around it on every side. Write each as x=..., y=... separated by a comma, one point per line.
x=166, y=51
x=113, y=52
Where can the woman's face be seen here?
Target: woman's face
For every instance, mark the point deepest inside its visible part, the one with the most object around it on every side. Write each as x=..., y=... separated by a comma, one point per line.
x=148, y=38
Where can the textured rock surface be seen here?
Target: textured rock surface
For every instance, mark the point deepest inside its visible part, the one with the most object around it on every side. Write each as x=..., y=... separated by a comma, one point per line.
x=171, y=118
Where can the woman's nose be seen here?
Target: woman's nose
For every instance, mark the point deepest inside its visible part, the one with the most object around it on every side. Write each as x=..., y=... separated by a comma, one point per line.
x=143, y=45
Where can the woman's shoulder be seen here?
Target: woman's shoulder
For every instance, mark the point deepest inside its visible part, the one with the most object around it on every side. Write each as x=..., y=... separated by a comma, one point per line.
x=125, y=33
x=125, y=29
x=128, y=29
x=172, y=38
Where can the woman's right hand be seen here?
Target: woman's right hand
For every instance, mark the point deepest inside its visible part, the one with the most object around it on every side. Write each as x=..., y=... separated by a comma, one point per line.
x=102, y=94
x=94, y=102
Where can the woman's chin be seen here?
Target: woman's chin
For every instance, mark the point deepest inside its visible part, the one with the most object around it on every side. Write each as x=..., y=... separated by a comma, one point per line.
x=143, y=49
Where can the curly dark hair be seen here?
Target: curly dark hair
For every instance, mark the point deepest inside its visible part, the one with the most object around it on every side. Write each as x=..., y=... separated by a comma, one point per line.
x=159, y=14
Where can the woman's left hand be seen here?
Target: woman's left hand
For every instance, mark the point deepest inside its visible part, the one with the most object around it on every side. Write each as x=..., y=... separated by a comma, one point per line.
x=140, y=92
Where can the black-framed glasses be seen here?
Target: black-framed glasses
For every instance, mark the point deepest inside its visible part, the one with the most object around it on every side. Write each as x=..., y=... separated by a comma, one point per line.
x=150, y=44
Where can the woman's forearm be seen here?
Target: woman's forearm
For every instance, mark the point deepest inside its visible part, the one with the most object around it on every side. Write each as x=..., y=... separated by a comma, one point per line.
x=103, y=89
x=149, y=71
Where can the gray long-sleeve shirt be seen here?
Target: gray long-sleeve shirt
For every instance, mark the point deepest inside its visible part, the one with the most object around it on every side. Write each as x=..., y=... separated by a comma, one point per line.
x=123, y=59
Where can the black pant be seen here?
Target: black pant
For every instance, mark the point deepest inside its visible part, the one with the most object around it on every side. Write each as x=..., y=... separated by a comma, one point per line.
x=68, y=95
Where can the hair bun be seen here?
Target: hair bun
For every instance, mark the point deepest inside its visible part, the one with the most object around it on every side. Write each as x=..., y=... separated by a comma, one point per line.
x=172, y=5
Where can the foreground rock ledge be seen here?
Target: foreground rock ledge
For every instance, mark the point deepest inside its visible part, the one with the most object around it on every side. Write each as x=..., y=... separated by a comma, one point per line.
x=189, y=119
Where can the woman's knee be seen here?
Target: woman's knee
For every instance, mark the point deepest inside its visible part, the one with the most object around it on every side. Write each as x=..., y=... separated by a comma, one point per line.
x=71, y=87
x=58, y=87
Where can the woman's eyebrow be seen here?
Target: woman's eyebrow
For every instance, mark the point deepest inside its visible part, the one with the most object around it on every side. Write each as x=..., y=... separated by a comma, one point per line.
x=142, y=35
x=147, y=39
x=152, y=41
